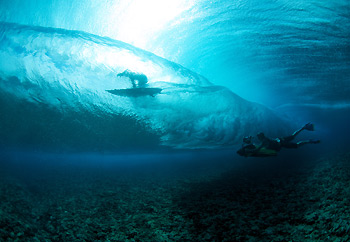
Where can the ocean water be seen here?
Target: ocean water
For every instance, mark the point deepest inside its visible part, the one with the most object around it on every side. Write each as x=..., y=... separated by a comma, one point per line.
x=86, y=156
x=60, y=80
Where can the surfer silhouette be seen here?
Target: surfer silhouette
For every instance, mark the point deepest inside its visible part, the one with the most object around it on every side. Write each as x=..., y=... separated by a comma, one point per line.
x=139, y=88
x=270, y=147
x=138, y=80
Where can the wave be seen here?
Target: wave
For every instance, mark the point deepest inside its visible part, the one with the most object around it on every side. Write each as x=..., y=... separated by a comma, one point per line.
x=53, y=95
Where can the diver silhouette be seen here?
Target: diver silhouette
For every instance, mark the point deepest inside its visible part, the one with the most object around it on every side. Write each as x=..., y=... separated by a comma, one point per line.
x=270, y=147
x=138, y=80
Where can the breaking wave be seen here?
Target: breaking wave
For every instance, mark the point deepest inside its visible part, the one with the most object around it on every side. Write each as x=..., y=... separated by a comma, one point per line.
x=53, y=96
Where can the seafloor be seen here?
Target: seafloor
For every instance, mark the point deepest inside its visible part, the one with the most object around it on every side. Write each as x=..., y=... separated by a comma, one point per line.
x=245, y=200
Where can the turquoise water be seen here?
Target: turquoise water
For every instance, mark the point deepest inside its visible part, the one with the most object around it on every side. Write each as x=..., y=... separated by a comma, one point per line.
x=81, y=161
x=60, y=79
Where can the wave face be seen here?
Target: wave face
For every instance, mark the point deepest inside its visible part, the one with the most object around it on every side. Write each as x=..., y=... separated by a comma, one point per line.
x=295, y=52
x=272, y=52
x=53, y=96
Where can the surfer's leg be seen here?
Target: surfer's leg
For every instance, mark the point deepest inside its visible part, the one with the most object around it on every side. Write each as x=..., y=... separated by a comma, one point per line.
x=133, y=82
x=142, y=80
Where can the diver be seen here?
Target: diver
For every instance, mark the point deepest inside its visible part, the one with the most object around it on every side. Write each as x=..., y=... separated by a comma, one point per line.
x=138, y=80
x=270, y=147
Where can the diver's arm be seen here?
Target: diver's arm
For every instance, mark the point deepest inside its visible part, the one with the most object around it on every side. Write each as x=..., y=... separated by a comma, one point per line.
x=264, y=143
x=251, y=150
x=256, y=151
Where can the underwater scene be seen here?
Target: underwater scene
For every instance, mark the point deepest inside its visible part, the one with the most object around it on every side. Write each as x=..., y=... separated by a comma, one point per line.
x=174, y=120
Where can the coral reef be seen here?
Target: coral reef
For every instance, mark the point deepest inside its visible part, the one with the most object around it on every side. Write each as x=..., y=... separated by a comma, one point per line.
x=255, y=203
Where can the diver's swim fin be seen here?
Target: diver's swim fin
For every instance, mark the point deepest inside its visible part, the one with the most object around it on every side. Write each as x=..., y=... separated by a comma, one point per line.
x=309, y=126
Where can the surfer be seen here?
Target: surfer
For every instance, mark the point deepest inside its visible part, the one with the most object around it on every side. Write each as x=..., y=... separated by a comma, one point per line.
x=270, y=147
x=138, y=80
x=139, y=88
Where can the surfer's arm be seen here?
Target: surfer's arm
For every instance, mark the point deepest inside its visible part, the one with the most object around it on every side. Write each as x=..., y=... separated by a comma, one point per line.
x=124, y=73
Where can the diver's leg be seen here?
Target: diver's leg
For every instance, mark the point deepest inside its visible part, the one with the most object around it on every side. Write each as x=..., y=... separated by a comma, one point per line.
x=297, y=132
x=308, y=126
x=288, y=139
x=311, y=141
x=292, y=145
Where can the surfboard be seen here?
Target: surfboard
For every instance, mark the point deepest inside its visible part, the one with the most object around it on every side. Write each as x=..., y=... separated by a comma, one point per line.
x=136, y=92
